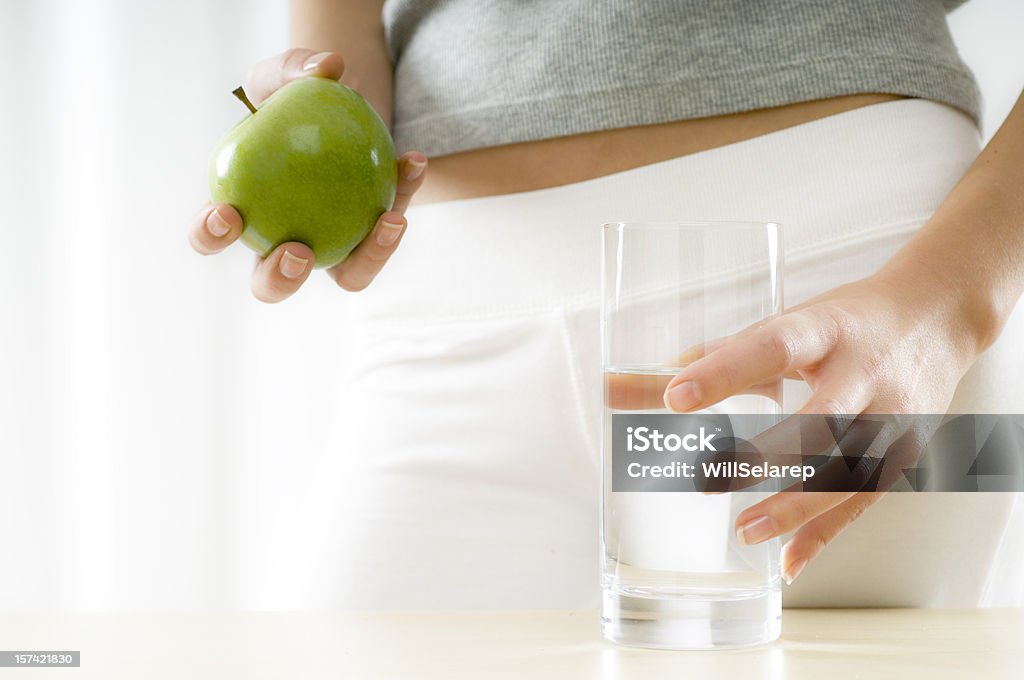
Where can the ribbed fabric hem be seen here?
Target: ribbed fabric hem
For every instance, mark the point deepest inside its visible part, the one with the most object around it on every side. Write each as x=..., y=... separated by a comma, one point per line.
x=721, y=94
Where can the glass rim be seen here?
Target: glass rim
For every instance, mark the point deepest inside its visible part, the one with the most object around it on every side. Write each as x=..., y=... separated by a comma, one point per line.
x=691, y=225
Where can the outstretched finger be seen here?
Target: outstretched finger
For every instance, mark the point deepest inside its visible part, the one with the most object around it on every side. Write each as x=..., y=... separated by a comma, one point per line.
x=790, y=342
x=784, y=512
x=810, y=539
x=632, y=392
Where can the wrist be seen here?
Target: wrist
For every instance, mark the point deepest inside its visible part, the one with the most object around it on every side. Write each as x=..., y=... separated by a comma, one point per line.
x=949, y=296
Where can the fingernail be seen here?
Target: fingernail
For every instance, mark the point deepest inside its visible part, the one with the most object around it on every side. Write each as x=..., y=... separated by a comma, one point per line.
x=216, y=225
x=292, y=267
x=683, y=396
x=388, y=233
x=312, y=62
x=415, y=169
x=756, y=530
x=794, y=571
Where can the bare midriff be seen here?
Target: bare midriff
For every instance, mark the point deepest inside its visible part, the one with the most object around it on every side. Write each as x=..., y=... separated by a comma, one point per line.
x=526, y=166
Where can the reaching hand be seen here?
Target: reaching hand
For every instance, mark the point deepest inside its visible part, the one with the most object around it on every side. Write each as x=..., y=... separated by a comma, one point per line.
x=878, y=345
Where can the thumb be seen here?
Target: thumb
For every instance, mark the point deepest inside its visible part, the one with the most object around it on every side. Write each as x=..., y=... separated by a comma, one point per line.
x=270, y=74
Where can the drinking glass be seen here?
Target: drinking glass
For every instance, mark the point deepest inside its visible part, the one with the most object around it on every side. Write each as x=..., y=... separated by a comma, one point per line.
x=674, y=573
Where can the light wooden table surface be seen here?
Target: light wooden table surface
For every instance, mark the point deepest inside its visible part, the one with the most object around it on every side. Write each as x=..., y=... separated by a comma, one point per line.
x=535, y=645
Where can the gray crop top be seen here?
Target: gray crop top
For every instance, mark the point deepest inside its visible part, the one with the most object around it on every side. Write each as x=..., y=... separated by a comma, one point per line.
x=479, y=73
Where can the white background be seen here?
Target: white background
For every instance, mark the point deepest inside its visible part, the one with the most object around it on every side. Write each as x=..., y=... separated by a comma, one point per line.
x=157, y=425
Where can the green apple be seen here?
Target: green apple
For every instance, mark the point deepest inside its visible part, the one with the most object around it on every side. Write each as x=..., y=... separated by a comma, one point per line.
x=314, y=163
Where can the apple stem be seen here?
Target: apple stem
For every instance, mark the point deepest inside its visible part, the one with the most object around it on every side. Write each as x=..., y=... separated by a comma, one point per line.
x=240, y=93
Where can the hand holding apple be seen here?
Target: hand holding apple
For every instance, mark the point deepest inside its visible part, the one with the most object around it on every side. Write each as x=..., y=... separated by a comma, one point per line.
x=312, y=166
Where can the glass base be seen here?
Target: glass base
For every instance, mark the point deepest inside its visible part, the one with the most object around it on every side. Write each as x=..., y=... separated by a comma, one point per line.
x=705, y=620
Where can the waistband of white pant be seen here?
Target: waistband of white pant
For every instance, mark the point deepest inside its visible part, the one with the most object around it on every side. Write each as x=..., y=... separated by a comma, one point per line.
x=832, y=183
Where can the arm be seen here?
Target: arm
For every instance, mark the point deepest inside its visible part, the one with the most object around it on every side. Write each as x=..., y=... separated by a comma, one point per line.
x=973, y=246
x=354, y=30
x=898, y=341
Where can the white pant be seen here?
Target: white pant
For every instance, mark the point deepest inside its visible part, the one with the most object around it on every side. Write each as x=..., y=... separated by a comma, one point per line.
x=465, y=470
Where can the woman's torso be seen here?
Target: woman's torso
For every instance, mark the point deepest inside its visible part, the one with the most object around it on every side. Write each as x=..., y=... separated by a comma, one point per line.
x=540, y=164
x=511, y=96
